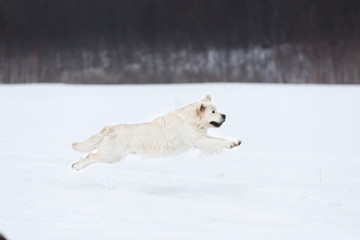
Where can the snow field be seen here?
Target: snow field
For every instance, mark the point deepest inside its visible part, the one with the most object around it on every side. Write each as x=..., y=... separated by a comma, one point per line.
x=295, y=176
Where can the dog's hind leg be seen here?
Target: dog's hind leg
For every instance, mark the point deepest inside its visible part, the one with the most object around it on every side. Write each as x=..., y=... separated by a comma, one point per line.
x=86, y=161
x=91, y=143
x=108, y=152
x=93, y=158
x=88, y=145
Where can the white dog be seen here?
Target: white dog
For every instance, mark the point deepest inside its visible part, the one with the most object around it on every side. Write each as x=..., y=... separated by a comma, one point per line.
x=176, y=132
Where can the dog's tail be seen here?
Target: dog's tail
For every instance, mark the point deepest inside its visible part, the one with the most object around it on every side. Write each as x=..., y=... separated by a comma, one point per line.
x=92, y=142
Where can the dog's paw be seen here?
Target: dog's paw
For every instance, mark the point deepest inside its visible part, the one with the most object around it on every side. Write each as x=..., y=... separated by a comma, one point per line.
x=75, y=166
x=235, y=144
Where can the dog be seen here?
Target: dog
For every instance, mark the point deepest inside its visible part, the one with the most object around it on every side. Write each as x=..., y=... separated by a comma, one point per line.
x=179, y=131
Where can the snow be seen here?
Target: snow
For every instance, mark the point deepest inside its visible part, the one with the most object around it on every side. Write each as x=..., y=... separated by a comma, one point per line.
x=295, y=176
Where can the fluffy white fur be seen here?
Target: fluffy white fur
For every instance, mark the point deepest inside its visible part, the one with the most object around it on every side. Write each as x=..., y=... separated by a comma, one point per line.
x=176, y=132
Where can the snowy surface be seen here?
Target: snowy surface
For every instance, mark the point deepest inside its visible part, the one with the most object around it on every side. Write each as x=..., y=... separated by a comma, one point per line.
x=295, y=176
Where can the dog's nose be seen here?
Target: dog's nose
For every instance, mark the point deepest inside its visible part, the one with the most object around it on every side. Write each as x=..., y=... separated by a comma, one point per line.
x=223, y=116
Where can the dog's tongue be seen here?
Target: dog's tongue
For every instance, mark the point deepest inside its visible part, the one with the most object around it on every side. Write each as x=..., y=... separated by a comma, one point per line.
x=220, y=124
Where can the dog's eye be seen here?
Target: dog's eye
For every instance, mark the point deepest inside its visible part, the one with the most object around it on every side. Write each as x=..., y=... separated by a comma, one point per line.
x=213, y=111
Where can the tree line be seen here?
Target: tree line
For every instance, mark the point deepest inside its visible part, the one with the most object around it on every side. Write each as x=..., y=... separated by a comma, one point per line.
x=169, y=41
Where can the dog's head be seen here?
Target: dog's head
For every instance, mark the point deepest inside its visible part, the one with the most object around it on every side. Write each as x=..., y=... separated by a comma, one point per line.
x=209, y=117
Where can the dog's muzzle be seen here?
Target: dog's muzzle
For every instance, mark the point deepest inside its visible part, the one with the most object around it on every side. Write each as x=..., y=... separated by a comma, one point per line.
x=218, y=124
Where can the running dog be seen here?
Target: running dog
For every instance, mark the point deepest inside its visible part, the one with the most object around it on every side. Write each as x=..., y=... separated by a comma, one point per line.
x=176, y=132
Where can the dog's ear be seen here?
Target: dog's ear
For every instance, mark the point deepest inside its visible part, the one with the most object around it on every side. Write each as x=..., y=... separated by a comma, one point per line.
x=200, y=110
x=207, y=98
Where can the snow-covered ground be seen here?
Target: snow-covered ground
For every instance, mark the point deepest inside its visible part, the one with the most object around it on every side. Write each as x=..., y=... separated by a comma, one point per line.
x=295, y=176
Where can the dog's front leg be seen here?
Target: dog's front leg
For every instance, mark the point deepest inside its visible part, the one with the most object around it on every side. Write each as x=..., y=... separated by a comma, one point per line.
x=211, y=145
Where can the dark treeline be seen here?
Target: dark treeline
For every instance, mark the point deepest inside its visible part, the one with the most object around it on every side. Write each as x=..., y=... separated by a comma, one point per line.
x=145, y=41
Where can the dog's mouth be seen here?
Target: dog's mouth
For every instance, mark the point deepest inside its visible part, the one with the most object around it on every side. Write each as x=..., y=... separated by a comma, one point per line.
x=216, y=124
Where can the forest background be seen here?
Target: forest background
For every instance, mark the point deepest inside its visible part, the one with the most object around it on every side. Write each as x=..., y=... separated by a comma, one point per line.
x=180, y=41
